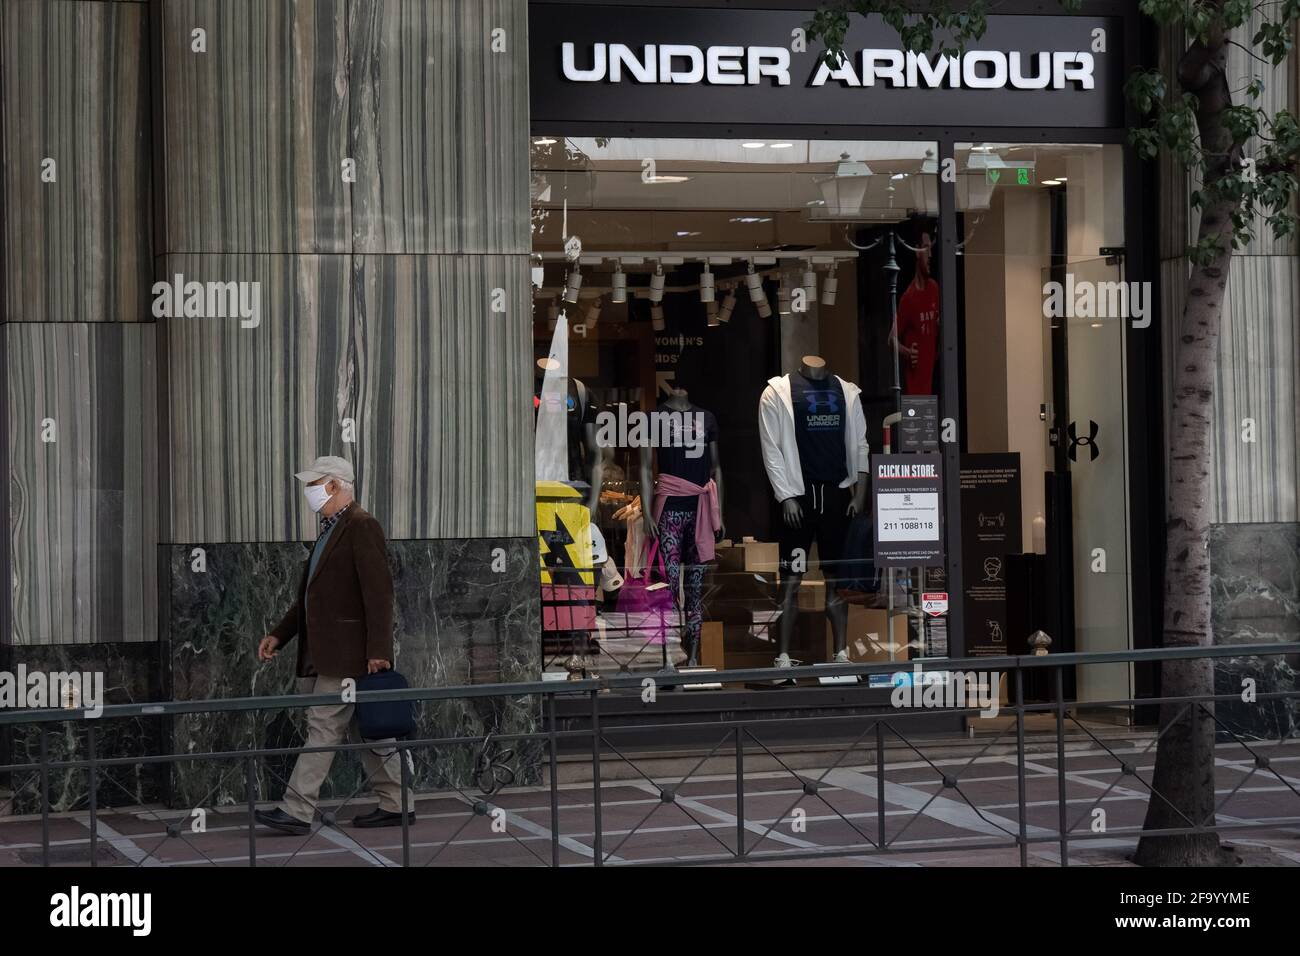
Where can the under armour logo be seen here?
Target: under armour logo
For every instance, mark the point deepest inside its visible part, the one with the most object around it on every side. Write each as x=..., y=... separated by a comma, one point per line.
x=1090, y=440
x=816, y=401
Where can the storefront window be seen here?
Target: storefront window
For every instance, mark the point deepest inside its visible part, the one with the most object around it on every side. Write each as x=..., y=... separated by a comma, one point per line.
x=722, y=329
x=1042, y=306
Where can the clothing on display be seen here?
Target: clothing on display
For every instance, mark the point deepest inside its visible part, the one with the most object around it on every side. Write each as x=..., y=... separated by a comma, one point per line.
x=685, y=453
x=780, y=443
x=702, y=501
x=819, y=419
x=579, y=413
x=684, y=568
x=918, y=326
x=826, y=521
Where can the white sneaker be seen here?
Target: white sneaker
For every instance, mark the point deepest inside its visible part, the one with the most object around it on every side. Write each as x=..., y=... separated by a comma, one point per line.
x=842, y=657
x=783, y=660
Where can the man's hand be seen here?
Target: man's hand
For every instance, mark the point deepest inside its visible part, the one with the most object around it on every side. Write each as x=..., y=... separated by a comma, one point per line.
x=913, y=354
x=267, y=648
x=375, y=666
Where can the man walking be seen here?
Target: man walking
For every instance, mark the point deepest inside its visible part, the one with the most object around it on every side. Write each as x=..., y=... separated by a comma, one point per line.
x=343, y=618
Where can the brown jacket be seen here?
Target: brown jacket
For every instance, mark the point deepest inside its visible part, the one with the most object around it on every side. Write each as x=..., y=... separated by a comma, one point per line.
x=349, y=617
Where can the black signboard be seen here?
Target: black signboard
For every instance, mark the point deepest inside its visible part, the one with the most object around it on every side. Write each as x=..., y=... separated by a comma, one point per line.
x=644, y=64
x=907, y=502
x=918, y=429
x=990, y=530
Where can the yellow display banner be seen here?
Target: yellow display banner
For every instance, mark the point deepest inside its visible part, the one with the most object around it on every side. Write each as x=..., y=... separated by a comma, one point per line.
x=563, y=531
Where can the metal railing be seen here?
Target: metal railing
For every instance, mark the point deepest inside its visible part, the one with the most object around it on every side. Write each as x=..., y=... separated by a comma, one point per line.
x=870, y=727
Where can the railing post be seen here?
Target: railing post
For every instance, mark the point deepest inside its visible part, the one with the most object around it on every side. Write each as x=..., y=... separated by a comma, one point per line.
x=597, y=849
x=555, y=782
x=92, y=779
x=1060, y=764
x=880, y=785
x=250, y=796
x=1020, y=765
x=45, y=795
x=740, y=792
x=405, y=778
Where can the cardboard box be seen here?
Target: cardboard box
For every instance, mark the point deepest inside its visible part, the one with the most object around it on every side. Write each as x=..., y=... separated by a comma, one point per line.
x=712, y=652
x=874, y=636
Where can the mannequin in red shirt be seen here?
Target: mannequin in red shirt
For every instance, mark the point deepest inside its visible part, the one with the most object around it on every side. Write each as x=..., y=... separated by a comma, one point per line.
x=916, y=326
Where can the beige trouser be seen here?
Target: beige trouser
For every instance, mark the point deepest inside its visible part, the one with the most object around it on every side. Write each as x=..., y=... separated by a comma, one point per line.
x=335, y=724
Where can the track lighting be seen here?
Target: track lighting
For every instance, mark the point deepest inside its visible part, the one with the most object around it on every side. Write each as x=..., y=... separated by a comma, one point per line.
x=619, y=294
x=728, y=306
x=829, y=288
x=809, y=283
x=754, y=282
x=706, y=285
x=657, y=284
x=593, y=312
x=783, y=298
x=573, y=286
x=657, y=317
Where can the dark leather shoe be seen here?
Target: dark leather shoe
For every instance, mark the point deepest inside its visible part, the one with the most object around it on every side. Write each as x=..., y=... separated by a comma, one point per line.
x=277, y=819
x=381, y=818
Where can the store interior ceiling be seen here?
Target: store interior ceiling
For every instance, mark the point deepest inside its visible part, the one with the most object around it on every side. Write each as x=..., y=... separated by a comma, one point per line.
x=650, y=198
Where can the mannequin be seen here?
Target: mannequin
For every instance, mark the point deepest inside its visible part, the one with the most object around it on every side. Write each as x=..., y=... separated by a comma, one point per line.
x=586, y=463
x=813, y=434
x=685, y=525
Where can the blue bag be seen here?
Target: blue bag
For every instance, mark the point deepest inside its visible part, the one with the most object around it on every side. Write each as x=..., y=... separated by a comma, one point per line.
x=384, y=719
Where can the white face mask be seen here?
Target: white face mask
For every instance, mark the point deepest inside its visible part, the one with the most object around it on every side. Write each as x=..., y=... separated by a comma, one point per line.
x=316, y=497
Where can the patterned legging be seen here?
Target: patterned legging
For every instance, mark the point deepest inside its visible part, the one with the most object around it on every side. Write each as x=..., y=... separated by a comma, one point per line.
x=681, y=558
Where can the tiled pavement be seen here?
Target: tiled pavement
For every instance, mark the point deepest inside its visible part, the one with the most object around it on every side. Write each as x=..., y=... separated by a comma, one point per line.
x=925, y=823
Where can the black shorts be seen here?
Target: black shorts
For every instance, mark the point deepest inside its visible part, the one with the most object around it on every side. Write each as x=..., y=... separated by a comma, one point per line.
x=826, y=521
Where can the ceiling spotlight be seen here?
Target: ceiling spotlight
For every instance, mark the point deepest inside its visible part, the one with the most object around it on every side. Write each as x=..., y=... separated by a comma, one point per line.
x=764, y=309
x=728, y=306
x=754, y=282
x=619, y=293
x=1051, y=182
x=829, y=288
x=657, y=317
x=573, y=286
x=657, y=283
x=809, y=283
x=706, y=285
x=711, y=310
x=593, y=312
x=783, y=298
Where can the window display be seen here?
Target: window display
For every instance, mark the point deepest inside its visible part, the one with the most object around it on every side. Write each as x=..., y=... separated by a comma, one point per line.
x=715, y=327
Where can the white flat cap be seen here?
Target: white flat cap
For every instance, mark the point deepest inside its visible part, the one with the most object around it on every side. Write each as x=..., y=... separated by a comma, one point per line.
x=331, y=465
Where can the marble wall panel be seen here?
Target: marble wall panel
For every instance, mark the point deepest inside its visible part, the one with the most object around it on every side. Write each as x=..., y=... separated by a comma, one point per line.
x=440, y=125
x=83, y=482
x=255, y=128
x=131, y=674
x=458, y=621
x=248, y=406
x=443, y=394
x=1255, y=576
x=74, y=89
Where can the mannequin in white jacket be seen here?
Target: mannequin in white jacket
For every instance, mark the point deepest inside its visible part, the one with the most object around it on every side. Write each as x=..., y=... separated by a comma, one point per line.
x=814, y=439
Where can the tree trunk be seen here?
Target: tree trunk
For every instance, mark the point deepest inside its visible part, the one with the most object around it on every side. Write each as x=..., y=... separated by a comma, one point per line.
x=1184, y=771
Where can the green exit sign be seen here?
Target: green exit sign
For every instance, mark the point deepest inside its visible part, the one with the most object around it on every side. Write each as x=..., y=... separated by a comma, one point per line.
x=1011, y=176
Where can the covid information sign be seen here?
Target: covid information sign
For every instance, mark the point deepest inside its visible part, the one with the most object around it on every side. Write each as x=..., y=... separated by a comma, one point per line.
x=907, y=499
